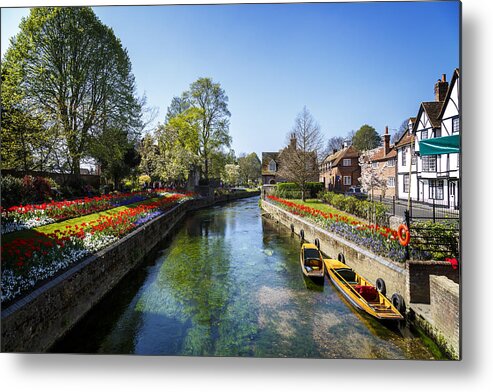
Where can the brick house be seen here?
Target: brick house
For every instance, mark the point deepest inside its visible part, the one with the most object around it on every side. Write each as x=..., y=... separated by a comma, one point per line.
x=384, y=160
x=341, y=170
x=270, y=167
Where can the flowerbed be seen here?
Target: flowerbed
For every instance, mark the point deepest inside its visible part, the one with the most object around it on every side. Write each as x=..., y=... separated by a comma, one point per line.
x=27, y=261
x=379, y=239
x=35, y=215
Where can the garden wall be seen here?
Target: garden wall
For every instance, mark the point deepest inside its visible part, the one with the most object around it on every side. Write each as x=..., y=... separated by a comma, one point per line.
x=37, y=321
x=366, y=263
x=419, y=278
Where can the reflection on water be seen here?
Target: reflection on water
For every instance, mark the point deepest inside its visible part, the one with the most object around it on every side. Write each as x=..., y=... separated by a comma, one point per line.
x=228, y=283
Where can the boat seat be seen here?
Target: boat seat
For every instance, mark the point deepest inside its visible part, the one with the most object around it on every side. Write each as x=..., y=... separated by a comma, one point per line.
x=348, y=275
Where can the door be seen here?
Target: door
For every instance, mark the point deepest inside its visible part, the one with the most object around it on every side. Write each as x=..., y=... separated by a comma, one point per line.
x=453, y=199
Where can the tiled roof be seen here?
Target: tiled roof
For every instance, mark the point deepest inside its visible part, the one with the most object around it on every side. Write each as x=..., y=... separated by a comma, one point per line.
x=433, y=109
x=379, y=155
x=348, y=152
x=405, y=140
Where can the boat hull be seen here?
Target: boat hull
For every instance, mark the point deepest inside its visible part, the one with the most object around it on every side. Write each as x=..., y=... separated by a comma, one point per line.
x=317, y=275
x=380, y=308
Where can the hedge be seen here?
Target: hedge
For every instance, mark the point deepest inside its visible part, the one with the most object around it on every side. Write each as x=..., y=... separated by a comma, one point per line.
x=291, y=190
x=354, y=206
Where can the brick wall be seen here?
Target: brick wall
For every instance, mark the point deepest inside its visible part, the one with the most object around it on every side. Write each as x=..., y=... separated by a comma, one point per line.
x=366, y=263
x=37, y=321
x=419, y=278
x=445, y=311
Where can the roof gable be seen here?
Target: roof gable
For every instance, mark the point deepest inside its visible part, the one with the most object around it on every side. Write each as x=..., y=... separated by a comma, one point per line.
x=455, y=78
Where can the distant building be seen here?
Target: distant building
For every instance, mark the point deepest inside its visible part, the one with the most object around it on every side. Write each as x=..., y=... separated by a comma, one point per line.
x=384, y=159
x=341, y=170
x=270, y=167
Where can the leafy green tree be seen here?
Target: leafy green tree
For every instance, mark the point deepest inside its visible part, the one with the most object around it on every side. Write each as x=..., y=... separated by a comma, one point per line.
x=73, y=71
x=212, y=102
x=366, y=138
x=148, y=151
x=178, y=146
x=231, y=174
x=250, y=168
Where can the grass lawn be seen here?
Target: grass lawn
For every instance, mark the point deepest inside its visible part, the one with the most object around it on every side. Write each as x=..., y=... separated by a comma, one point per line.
x=314, y=203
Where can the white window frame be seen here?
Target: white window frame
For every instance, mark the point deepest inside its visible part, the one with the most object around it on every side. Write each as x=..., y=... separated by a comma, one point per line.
x=429, y=163
x=391, y=182
x=346, y=162
x=405, y=183
x=346, y=180
x=435, y=189
x=390, y=163
x=270, y=165
x=455, y=125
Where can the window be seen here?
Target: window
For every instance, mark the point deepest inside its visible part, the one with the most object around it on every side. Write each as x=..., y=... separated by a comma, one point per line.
x=347, y=180
x=424, y=134
x=438, y=132
x=374, y=165
x=430, y=163
x=455, y=125
x=391, y=163
x=413, y=157
x=436, y=189
x=391, y=182
x=346, y=162
x=272, y=166
x=405, y=183
x=404, y=156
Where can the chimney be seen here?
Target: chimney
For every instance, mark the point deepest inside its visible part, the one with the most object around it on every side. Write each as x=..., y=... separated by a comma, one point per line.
x=334, y=151
x=292, y=142
x=441, y=87
x=386, y=141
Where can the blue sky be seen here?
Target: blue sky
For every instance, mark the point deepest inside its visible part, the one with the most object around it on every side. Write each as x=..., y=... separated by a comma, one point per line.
x=349, y=63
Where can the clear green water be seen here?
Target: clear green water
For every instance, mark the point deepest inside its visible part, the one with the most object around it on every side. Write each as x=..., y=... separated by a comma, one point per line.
x=228, y=283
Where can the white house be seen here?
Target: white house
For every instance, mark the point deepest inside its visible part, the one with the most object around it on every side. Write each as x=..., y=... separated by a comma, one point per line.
x=438, y=175
x=406, y=169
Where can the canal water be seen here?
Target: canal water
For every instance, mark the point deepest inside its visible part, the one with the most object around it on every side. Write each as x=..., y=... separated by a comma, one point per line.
x=228, y=283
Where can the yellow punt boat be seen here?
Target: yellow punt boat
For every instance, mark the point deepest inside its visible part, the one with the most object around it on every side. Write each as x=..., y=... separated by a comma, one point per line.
x=359, y=292
x=311, y=260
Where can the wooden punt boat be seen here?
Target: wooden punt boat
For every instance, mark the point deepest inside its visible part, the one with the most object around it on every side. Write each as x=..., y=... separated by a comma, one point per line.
x=312, y=264
x=360, y=292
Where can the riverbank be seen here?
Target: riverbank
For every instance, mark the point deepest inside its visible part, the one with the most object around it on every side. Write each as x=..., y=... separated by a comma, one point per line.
x=413, y=280
x=35, y=322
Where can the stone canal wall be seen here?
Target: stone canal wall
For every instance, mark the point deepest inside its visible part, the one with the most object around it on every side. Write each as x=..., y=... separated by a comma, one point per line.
x=37, y=321
x=366, y=263
x=431, y=284
x=445, y=312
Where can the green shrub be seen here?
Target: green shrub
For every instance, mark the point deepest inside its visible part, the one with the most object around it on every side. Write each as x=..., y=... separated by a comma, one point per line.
x=11, y=191
x=441, y=239
x=290, y=190
x=361, y=208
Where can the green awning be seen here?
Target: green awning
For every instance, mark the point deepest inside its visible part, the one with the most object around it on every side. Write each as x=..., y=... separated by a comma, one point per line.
x=440, y=145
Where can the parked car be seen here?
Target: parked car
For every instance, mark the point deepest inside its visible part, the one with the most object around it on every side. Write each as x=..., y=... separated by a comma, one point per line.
x=356, y=191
